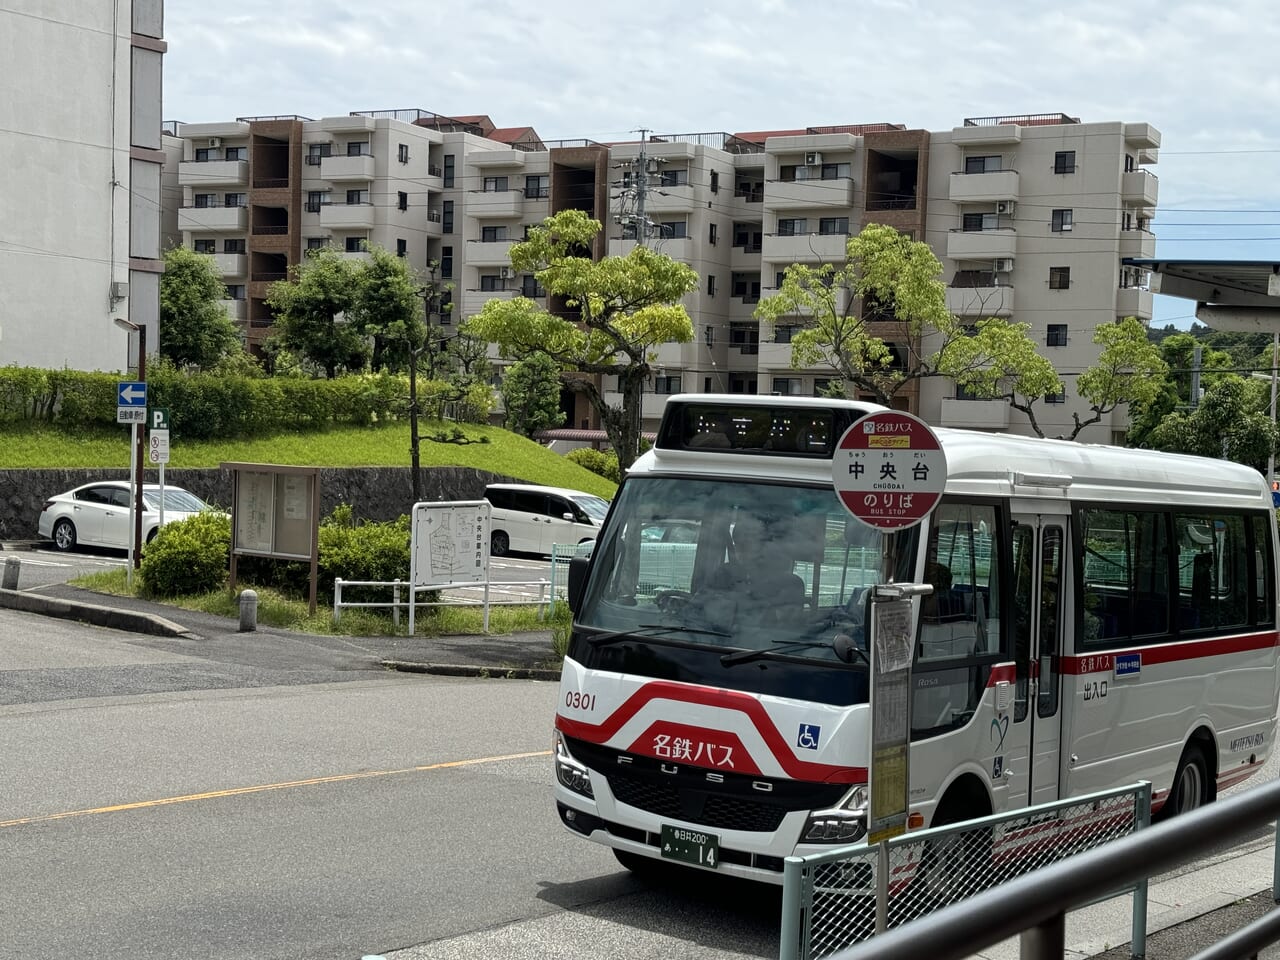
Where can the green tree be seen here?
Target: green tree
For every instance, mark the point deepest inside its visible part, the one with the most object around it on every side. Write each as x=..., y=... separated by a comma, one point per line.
x=388, y=309
x=1226, y=424
x=195, y=330
x=1177, y=349
x=880, y=320
x=531, y=395
x=623, y=307
x=311, y=312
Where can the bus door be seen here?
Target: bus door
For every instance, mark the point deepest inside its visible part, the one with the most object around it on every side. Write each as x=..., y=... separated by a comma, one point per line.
x=1035, y=733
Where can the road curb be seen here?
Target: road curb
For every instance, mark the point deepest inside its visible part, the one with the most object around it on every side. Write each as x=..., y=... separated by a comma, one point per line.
x=472, y=670
x=92, y=613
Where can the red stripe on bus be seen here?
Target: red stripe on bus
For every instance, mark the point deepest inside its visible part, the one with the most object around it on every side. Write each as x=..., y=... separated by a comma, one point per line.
x=1003, y=673
x=1237, y=776
x=1173, y=651
x=711, y=697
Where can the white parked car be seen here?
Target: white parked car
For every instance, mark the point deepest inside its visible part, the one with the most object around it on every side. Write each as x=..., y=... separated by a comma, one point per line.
x=530, y=519
x=97, y=514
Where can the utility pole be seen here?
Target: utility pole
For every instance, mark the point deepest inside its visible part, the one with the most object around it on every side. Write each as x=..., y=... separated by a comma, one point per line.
x=635, y=190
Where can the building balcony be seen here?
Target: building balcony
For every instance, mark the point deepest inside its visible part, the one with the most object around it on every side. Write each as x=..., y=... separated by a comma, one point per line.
x=808, y=194
x=339, y=169
x=981, y=244
x=435, y=224
x=236, y=309
x=677, y=198
x=984, y=187
x=806, y=248
x=494, y=204
x=346, y=216
x=980, y=301
x=775, y=356
x=987, y=135
x=497, y=158
x=975, y=414
x=489, y=253
x=356, y=256
x=1133, y=302
x=213, y=173
x=213, y=219
x=230, y=264
x=473, y=301
x=1139, y=187
x=651, y=404
x=1137, y=243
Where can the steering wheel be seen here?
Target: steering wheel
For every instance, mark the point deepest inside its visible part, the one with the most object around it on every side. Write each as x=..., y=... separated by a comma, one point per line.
x=672, y=601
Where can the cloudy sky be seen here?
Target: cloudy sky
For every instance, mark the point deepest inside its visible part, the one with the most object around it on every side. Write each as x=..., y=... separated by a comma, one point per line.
x=1202, y=73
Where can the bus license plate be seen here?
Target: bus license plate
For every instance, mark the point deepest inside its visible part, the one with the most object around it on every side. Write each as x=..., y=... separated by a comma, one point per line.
x=691, y=846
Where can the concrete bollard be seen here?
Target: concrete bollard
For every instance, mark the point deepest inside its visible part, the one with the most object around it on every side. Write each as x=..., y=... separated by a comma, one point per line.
x=12, y=567
x=248, y=611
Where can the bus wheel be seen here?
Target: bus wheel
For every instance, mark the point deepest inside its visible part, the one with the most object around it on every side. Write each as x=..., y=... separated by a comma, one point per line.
x=1190, y=784
x=646, y=868
x=953, y=866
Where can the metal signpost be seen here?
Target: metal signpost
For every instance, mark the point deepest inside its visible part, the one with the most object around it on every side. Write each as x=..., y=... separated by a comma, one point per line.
x=131, y=408
x=889, y=471
x=448, y=546
x=158, y=446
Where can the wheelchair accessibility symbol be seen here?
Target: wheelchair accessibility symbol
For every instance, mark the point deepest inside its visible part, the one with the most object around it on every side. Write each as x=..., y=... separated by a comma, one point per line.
x=809, y=735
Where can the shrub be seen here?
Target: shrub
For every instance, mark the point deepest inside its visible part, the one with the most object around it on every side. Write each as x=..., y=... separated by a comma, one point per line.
x=188, y=556
x=597, y=461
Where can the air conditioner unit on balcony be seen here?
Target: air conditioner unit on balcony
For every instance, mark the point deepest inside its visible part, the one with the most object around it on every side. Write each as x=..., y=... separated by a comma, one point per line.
x=1004, y=265
x=812, y=159
x=507, y=273
x=215, y=142
x=1005, y=207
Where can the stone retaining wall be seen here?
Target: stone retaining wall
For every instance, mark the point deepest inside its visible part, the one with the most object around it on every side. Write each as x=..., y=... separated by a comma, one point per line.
x=375, y=493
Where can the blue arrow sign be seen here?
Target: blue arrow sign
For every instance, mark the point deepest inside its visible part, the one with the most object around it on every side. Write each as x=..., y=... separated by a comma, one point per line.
x=131, y=393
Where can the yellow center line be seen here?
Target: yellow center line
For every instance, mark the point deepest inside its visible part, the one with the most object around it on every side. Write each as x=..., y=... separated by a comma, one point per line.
x=262, y=788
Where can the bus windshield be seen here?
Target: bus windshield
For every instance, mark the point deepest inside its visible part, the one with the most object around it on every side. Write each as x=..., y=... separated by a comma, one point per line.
x=737, y=567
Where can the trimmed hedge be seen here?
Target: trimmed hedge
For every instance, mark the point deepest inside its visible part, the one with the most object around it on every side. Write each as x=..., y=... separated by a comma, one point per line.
x=189, y=556
x=599, y=462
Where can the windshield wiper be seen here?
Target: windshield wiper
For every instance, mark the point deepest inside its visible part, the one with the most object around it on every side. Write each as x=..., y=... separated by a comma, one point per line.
x=844, y=652
x=648, y=630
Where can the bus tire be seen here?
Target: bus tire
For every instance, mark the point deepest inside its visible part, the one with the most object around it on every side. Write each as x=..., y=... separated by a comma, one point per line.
x=955, y=866
x=646, y=868
x=1190, y=789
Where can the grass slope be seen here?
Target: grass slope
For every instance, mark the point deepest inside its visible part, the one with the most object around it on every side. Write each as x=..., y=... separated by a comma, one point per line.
x=41, y=446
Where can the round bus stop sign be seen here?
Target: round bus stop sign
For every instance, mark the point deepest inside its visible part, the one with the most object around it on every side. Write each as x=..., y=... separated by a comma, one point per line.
x=889, y=470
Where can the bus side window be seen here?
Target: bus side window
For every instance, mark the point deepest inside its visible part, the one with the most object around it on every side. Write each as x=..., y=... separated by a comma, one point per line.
x=1024, y=539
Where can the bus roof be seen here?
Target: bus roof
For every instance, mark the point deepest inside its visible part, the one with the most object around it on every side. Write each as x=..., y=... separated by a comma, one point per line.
x=987, y=464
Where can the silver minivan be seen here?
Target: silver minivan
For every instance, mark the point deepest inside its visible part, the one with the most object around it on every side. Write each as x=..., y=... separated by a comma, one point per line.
x=530, y=519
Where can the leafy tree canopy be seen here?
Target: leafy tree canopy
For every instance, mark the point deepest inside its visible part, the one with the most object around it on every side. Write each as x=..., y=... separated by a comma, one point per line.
x=531, y=395
x=311, y=312
x=195, y=330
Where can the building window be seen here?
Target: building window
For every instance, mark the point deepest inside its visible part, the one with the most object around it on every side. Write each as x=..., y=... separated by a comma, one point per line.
x=835, y=171
x=1055, y=398
x=668, y=385
x=831, y=226
x=673, y=229
x=490, y=282
x=446, y=307
x=673, y=178
x=315, y=200
x=1056, y=335
x=778, y=278
x=747, y=286
x=235, y=291
x=448, y=169
x=204, y=246
x=972, y=222
x=317, y=152
x=629, y=230
x=402, y=200
x=233, y=246
x=402, y=247
x=784, y=334
x=706, y=384
x=537, y=187
x=1130, y=164
x=355, y=197
x=446, y=216
x=358, y=148
x=711, y=234
x=402, y=153
x=745, y=337
x=1064, y=161
x=237, y=153
x=793, y=227
x=746, y=236
x=1061, y=221
x=446, y=263
x=966, y=393
x=711, y=285
x=982, y=164
x=530, y=287
x=492, y=234
x=821, y=386
x=204, y=155
x=1059, y=278
x=495, y=184
x=715, y=181
x=235, y=200
x=787, y=386
x=206, y=200
x=357, y=244
x=316, y=243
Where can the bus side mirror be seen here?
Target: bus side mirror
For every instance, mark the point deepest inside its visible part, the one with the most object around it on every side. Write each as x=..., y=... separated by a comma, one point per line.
x=579, y=567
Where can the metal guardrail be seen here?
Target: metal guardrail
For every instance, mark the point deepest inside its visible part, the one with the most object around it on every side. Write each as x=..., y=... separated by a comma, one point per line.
x=396, y=604
x=844, y=896
x=1035, y=906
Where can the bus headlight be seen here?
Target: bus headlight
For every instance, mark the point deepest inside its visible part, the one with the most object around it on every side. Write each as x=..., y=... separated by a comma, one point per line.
x=571, y=774
x=844, y=823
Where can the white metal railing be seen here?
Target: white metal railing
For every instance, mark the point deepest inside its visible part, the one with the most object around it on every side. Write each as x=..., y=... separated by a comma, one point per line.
x=402, y=595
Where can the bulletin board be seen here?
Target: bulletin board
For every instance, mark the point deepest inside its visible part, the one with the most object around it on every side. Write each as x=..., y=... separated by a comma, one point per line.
x=275, y=512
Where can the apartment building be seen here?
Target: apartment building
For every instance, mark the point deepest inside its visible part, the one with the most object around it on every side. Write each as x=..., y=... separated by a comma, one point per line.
x=1031, y=217
x=80, y=235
